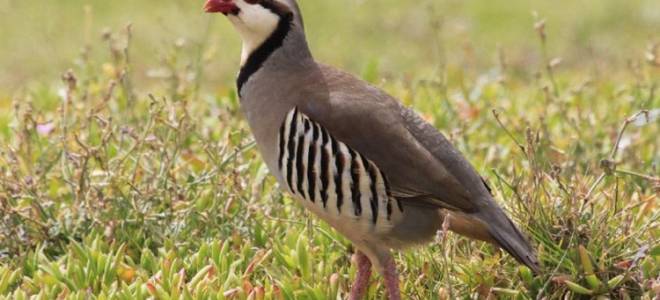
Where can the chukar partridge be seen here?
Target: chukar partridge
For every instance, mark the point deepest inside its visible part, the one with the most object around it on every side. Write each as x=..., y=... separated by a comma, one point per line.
x=352, y=154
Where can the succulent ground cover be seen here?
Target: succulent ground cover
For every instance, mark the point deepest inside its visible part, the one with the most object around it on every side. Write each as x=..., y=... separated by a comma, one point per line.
x=133, y=180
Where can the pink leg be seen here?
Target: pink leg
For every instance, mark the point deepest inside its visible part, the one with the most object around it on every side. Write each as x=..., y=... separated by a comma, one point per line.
x=363, y=274
x=391, y=278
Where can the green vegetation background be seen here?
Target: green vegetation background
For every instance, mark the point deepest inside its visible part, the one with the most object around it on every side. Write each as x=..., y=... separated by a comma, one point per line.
x=133, y=175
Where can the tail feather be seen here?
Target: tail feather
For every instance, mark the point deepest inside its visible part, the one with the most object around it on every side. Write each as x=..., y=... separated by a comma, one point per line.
x=509, y=238
x=496, y=228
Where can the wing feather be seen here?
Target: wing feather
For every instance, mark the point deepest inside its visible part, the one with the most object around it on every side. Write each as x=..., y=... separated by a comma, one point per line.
x=417, y=159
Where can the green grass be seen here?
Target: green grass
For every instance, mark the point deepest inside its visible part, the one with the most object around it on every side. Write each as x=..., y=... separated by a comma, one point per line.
x=135, y=175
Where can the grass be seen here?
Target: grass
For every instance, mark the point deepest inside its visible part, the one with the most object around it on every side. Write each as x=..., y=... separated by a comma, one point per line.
x=135, y=175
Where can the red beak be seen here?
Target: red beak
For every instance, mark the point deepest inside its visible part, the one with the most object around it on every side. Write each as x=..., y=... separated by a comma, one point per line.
x=221, y=6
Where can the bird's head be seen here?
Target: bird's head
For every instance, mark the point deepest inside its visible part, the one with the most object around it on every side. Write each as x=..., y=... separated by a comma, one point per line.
x=256, y=20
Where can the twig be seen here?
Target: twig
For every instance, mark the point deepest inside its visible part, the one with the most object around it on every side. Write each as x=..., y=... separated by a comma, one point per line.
x=593, y=186
x=609, y=165
x=497, y=117
x=539, y=26
x=655, y=180
x=625, y=125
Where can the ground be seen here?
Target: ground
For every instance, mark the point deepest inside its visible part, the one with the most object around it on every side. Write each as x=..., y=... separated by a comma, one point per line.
x=128, y=171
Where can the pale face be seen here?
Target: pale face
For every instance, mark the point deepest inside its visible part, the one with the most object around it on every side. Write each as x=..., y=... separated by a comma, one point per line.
x=254, y=20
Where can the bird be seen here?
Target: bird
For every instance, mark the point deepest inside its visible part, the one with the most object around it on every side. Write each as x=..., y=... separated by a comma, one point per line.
x=352, y=154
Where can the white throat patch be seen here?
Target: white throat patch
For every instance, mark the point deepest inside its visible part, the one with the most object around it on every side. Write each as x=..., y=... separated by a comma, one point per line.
x=255, y=24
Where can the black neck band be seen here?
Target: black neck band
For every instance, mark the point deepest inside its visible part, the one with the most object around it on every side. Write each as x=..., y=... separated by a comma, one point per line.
x=261, y=54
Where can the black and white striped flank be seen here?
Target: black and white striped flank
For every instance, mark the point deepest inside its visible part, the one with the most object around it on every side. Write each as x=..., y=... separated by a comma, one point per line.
x=320, y=169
